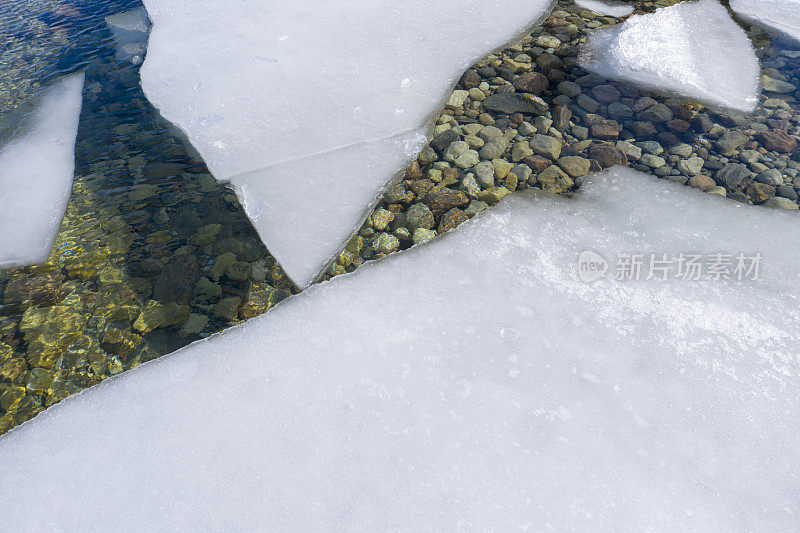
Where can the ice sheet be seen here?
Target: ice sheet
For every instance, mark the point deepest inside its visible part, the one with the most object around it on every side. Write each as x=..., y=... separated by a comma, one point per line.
x=130, y=30
x=256, y=84
x=612, y=9
x=470, y=383
x=36, y=171
x=693, y=49
x=780, y=15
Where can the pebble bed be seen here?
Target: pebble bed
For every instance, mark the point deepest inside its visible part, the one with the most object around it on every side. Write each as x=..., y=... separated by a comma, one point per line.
x=529, y=117
x=154, y=253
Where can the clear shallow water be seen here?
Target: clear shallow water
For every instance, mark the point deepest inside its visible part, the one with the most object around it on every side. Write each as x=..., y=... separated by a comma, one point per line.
x=144, y=222
x=154, y=253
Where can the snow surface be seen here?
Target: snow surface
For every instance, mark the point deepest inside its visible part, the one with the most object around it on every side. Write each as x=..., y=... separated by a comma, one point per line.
x=612, y=9
x=472, y=382
x=780, y=15
x=130, y=30
x=693, y=49
x=36, y=171
x=259, y=84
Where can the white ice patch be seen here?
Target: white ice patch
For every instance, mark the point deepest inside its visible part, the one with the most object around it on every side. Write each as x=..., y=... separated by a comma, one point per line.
x=36, y=171
x=258, y=84
x=692, y=49
x=472, y=382
x=130, y=30
x=780, y=15
x=612, y=9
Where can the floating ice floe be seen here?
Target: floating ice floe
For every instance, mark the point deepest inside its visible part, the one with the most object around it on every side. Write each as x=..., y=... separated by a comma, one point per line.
x=36, y=171
x=471, y=382
x=273, y=93
x=130, y=30
x=782, y=16
x=692, y=49
x=612, y=9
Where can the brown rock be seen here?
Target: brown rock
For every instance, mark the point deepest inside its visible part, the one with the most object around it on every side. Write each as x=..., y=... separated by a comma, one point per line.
x=644, y=129
x=605, y=131
x=701, y=182
x=414, y=172
x=421, y=187
x=537, y=162
x=451, y=219
x=531, y=82
x=606, y=93
x=176, y=281
x=678, y=126
x=444, y=199
x=607, y=155
x=777, y=141
x=41, y=290
x=760, y=192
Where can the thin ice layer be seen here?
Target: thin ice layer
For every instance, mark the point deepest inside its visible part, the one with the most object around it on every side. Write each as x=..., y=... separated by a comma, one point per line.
x=692, y=49
x=36, y=171
x=780, y=15
x=326, y=178
x=612, y=9
x=258, y=83
x=472, y=382
x=130, y=30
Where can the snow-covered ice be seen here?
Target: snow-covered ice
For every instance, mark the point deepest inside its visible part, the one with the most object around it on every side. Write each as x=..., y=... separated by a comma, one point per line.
x=780, y=15
x=601, y=7
x=693, y=49
x=257, y=85
x=130, y=30
x=36, y=171
x=472, y=382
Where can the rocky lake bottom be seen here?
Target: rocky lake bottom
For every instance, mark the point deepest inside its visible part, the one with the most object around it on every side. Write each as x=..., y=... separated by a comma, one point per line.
x=154, y=253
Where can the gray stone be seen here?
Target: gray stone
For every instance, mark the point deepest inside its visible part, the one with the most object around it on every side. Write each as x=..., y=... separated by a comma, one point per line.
x=467, y=159
x=423, y=235
x=777, y=86
x=494, y=149
x=749, y=156
x=691, y=166
x=509, y=103
x=228, y=308
x=732, y=175
x=520, y=151
x=419, y=216
x=574, y=165
x=652, y=161
x=490, y=133
x=553, y=179
x=589, y=104
x=771, y=176
x=444, y=139
x=569, y=88
x=730, y=141
x=681, y=150
x=656, y=113
x=484, y=174
x=787, y=191
x=778, y=202
x=542, y=124
x=385, y=243
x=546, y=146
x=632, y=151
x=651, y=147
x=455, y=150
x=522, y=172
